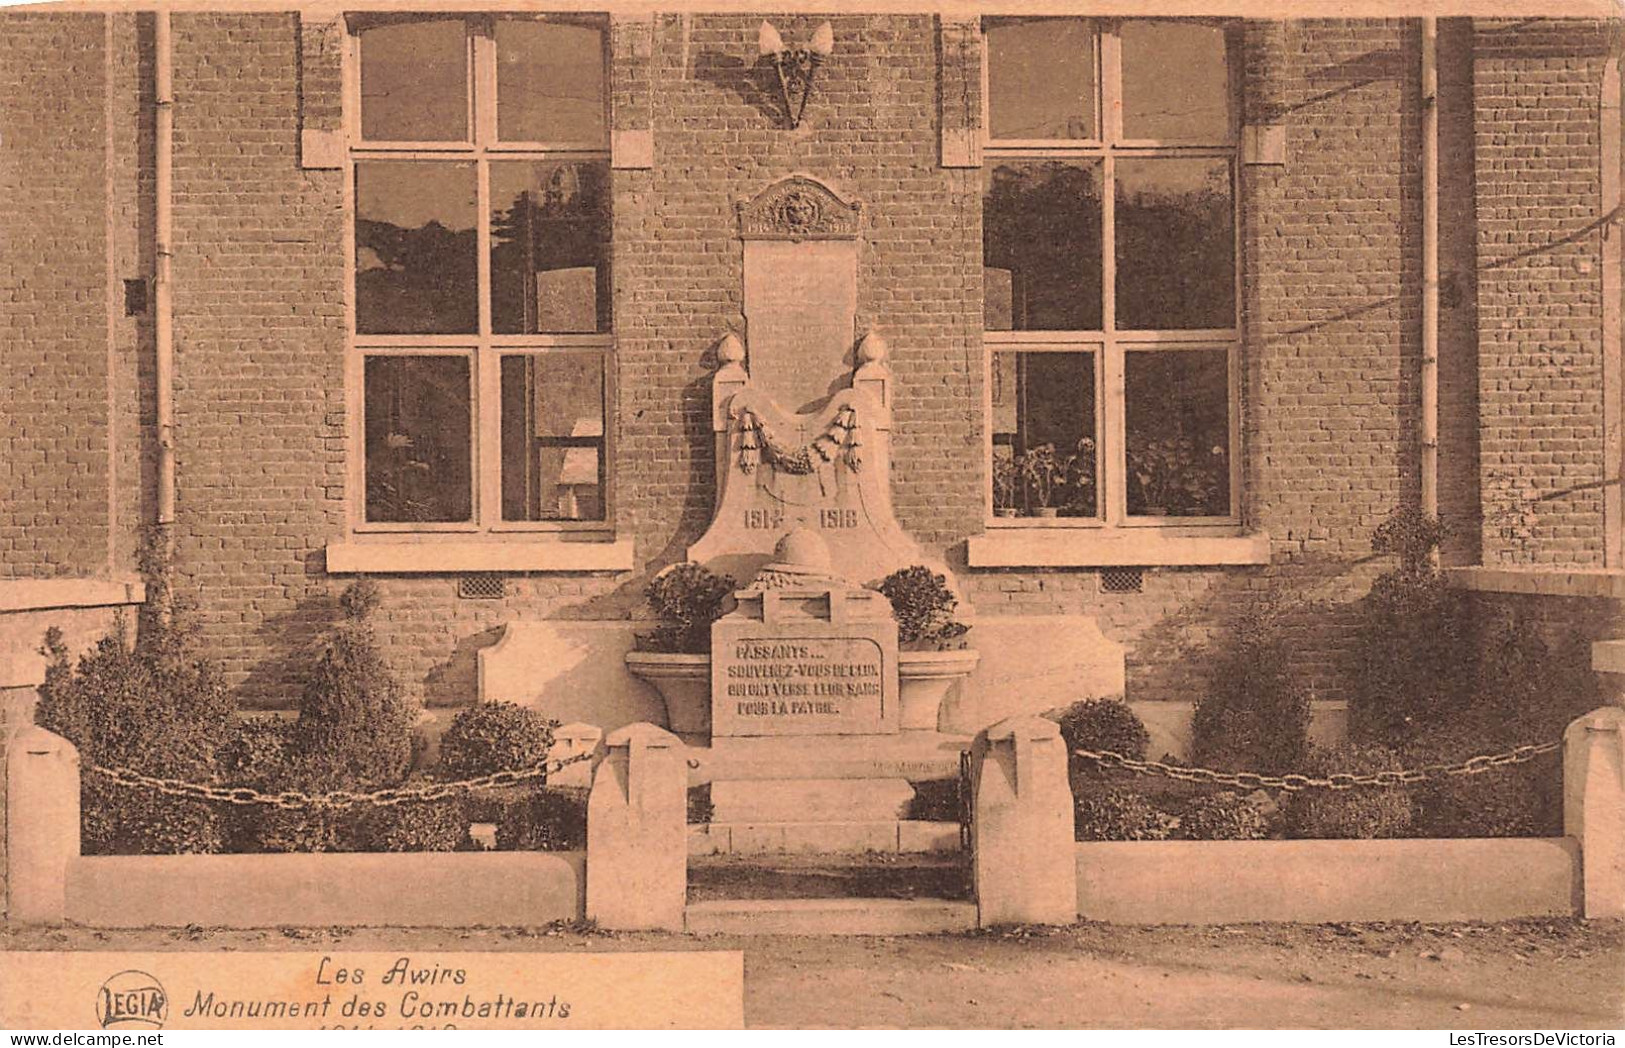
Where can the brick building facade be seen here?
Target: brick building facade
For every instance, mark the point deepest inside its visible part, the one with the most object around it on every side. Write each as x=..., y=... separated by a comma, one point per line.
x=1328, y=185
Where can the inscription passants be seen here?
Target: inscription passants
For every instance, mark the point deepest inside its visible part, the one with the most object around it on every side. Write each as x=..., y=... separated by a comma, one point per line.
x=798, y=678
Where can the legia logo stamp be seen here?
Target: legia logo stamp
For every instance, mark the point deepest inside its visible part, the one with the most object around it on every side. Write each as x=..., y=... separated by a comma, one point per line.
x=132, y=1000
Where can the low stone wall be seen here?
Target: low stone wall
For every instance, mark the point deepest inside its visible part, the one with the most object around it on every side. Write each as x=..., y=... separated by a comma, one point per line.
x=1235, y=882
x=261, y=891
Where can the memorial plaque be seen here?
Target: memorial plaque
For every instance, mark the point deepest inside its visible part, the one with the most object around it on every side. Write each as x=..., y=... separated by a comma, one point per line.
x=790, y=668
x=801, y=304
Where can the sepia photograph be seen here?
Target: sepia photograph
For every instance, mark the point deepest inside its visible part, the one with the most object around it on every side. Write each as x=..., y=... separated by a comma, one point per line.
x=524, y=515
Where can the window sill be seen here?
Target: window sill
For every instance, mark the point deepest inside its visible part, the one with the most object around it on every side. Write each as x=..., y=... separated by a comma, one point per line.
x=1009, y=547
x=44, y=594
x=1541, y=581
x=432, y=555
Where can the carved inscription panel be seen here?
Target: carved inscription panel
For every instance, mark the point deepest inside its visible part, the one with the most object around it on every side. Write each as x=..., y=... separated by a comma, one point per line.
x=803, y=680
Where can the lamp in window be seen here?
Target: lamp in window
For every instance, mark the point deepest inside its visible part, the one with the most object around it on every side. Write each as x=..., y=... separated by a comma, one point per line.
x=796, y=67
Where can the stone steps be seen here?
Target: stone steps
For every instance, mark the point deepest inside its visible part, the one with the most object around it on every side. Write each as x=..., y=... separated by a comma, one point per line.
x=829, y=917
x=764, y=838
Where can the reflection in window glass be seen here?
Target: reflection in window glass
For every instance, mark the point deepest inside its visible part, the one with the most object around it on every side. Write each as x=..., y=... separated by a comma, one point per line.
x=1176, y=263
x=415, y=248
x=1041, y=246
x=550, y=233
x=550, y=81
x=1044, y=433
x=417, y=415
x=1041, y=78
x=1176, y=86
x=553, y=437
x=1177, y=428
x=414, y=82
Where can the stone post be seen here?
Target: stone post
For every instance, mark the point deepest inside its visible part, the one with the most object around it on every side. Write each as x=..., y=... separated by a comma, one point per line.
x=1594, y=807
x=637, y=832
x=42, y=823
x=1026, y=864
x=570, y=740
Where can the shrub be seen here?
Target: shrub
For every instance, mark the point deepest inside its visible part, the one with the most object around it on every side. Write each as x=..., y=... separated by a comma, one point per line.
x=1363, y=812
x=490, y=737
x=355, y=722
x=687, y=598
x=1502, y=802
x=1223, y=816
x=152, y=705
x=923, y=606
x=1102, y=725
x=304, y=830
x=1413, y=652
x=1114, y=813
x=552, y=819
x=422, y=826
x=1254, y=716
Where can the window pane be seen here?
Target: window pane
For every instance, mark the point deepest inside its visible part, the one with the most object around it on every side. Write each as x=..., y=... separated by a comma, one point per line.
x=1044, y=433
x=550, y=234
x=550, y=81
x=1190, y=106
x=1041, y=78
x=414, y=82
x=1176, y=244
x=553, y=437
x=418, y=446
x=415, y=248
x=1041, y=246
x=1177, y=429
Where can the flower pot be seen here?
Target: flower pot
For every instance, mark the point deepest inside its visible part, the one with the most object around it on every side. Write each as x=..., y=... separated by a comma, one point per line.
x=1005, y=511
x=684, y=682
x=923, y=679
x=1047, y=511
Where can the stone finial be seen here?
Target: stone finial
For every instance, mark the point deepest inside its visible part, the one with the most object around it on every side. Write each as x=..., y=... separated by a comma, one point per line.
x=730, y=350
x=872, y=348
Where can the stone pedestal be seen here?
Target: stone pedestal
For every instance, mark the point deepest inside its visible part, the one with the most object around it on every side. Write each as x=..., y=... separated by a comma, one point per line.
x=42, y=824
x=1021, y=825
x=1594, y=807
x=637, y=833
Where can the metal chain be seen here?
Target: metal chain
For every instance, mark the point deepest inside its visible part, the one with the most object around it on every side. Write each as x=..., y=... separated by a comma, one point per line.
x=293, y=799
x=1248, y=780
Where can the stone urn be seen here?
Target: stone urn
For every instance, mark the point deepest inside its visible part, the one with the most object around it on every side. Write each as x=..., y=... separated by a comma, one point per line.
x=684, y=683
x=923, y=680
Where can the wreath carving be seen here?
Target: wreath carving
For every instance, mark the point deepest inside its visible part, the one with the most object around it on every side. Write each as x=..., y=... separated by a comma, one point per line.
x=838, y=441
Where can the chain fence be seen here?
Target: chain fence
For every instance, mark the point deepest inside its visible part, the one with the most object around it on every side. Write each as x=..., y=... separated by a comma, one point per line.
x=1247, y=780
x=295, y=799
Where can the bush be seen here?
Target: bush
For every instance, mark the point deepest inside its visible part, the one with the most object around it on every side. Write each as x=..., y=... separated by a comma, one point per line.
x=1254, y=716
x=304, y=830
x=152, y=705
x=1502, y=802
x=422, y=826
x=1223, y=816
x=1360, y=813
x=936, y=800
x=489, y=737
x=1114, y=813
x=686, y=598
x=355, y=722
x=1413, y=653
x=1102, y=725
x=552, y=819
x=923, y=606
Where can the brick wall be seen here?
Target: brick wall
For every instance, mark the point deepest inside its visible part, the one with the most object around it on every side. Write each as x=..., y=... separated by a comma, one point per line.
x=1330, y=260
x=53, y=301
x=1537, y=86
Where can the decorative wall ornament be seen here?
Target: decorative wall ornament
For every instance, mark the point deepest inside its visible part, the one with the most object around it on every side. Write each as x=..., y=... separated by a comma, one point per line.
x=798, y=208
x=796, y=67
x=838, y=441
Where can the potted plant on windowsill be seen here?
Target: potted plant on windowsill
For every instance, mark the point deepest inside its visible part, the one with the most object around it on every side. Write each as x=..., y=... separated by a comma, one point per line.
x=675, y=657
x=1006, y=485
x=932, y=653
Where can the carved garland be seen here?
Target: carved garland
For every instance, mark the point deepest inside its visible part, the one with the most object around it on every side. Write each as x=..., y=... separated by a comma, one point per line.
x=756, y=440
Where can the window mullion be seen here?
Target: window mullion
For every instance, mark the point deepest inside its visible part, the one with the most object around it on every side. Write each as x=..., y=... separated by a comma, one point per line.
x=1114, y=433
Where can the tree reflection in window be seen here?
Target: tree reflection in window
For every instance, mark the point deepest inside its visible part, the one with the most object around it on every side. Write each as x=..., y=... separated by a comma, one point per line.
x=416, y=269
x=550, y=232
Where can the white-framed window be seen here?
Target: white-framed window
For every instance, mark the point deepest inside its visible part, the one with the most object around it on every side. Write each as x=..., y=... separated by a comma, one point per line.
x=478, y=192
x=1111, y=282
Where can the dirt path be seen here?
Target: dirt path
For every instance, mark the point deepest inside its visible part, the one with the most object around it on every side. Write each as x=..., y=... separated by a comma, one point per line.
x=1525, y=974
